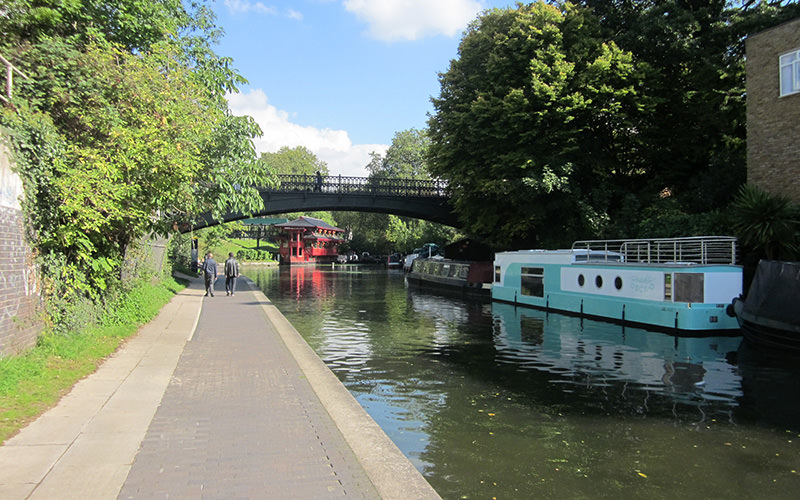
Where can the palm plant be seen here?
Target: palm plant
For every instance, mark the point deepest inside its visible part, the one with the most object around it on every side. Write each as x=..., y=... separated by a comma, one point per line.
x=766, y=224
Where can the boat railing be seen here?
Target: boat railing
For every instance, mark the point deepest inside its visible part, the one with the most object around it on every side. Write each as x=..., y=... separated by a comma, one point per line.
x=695, y=250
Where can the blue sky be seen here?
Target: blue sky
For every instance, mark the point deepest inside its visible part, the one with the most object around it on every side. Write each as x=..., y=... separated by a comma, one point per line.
x=341, y=77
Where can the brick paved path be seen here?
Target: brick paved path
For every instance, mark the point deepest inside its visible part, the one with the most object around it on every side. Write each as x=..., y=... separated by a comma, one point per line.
x=240, y=421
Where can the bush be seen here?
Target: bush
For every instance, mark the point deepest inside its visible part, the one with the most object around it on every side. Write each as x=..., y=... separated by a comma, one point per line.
x=254, y=255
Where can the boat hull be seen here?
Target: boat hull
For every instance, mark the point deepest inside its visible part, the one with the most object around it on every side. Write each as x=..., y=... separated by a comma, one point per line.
x=766, y=332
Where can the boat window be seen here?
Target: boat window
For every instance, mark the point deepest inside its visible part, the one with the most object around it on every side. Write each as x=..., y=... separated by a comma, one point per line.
x=597, y=257
x=618, y=283
x=532, y=281
x=454, y=270
x=497, y=274
x=668, y=287
x=689, y=287
x=581, y=280
x=463, y=272
x=598, y=281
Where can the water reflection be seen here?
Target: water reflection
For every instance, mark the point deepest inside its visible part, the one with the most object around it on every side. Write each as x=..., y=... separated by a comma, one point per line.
x=492, y=401
x=629, y=366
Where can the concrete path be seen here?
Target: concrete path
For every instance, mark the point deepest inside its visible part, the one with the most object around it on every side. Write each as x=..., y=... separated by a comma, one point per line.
x=217, y=398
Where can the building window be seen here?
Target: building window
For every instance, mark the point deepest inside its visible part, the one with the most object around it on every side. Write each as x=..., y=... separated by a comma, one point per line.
x=790, y=73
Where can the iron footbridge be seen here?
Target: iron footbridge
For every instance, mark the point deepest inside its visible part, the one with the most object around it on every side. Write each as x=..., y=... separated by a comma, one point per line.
x=417, y=198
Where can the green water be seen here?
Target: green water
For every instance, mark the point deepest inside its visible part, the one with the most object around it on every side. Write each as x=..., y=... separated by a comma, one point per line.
x=489, y=401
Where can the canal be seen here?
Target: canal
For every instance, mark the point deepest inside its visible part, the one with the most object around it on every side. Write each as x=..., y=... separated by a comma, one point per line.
x=491, y=401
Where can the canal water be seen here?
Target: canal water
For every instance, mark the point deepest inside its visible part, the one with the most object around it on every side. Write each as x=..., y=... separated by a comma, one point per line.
x=492, y=401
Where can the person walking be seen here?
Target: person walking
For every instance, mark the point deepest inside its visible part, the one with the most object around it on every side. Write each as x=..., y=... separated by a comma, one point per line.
x=231, y=273
x=209, y=273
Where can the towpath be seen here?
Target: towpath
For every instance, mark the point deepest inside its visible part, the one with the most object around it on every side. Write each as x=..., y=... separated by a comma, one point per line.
x=216, y=398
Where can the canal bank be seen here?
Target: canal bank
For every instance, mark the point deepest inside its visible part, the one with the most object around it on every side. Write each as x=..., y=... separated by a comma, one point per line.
x=217, y=397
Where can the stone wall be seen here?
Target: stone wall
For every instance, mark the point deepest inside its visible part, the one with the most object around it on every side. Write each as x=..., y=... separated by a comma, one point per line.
x=20, y=300
x=773, y=122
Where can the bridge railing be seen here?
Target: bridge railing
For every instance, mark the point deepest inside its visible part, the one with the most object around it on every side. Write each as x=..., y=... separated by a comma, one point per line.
x=361, y=185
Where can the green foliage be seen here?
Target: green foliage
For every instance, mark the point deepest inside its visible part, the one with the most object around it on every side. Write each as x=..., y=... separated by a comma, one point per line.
x=255, y=255
x=294, y=161
x=405, y=158
x=668, y=220
x=537, y=112
x=767, y=225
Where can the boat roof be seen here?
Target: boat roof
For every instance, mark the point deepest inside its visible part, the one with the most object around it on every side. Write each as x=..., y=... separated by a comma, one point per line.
x=689, y=251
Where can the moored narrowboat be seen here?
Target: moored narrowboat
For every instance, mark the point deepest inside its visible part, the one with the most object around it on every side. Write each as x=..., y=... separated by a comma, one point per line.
x=468, y=277
x=680, y=284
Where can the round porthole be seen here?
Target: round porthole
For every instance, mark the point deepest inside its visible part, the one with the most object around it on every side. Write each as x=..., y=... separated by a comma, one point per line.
x=618, y=283
x=598, y=281
x=581, y=280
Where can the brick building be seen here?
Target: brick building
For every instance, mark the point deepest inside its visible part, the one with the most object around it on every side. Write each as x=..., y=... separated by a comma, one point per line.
x=773, y=110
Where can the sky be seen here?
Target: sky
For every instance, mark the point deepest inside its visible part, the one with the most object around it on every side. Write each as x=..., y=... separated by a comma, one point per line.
x=340, y=77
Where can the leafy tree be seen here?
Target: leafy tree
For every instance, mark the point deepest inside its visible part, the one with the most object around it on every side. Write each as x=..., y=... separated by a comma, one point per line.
x=294, y=161
x=297, y=161
x=405, y=158
x=121, y=130
x=694, y=53
x=536, y=122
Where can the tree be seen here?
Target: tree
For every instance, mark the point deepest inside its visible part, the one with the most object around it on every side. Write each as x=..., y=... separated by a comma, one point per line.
x=297, y=161
x=405, y=158
x=294, y=161
x=121, y=130
x=536, y=122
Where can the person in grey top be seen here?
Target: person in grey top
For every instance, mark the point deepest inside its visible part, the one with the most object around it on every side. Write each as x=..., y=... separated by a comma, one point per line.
x=231, y=273
x=209, y=273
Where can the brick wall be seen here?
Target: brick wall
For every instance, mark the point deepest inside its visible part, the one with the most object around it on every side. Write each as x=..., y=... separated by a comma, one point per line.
x=773, y=122
x=19, y=291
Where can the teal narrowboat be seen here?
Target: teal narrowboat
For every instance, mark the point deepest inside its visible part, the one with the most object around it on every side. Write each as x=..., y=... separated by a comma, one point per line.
x=682, y=284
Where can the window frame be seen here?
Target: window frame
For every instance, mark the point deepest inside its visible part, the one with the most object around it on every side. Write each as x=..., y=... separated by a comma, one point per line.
x=789, y=70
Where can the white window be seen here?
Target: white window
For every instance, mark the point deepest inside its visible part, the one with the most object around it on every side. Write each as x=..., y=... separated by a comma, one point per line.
x=790, y=73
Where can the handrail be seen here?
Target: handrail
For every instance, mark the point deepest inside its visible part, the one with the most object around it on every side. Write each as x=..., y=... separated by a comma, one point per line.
x=10, y=69
x=698, y=250
x=338, y=184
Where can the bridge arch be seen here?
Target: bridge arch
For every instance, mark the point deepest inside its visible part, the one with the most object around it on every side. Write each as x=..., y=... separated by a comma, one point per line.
x=420, y=199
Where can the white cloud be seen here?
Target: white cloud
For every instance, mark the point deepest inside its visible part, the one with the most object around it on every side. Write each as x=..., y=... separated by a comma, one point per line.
x=293, y=14
x=392, y=20
x=244, y=7
x=334, y=147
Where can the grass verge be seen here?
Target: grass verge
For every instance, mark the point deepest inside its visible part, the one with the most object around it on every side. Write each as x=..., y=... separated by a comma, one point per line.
x=32, y=383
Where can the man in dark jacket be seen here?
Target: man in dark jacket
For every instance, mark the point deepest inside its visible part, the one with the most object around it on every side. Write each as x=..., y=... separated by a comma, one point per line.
x=210, y=273
x=231, y=273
